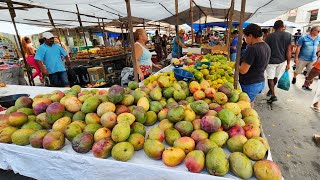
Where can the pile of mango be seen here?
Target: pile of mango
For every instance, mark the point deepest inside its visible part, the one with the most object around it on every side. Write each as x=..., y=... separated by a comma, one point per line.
x=190, y=123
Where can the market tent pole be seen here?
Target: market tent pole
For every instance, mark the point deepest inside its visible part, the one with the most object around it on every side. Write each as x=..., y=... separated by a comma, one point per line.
x=236, y=74
x=13, y=15
x=230, y=15
x=103, y=34
x=133, y=57
x=84, y=36
x=177, y=19
x=53, y=25
x=144, y=24
x=65, y=37
x=191, y=17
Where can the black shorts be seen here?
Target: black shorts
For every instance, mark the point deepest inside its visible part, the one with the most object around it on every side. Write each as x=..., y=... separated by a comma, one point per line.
x=59, y=79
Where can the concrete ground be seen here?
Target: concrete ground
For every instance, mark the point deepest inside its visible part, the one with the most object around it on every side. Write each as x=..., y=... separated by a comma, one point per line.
x=289, y=127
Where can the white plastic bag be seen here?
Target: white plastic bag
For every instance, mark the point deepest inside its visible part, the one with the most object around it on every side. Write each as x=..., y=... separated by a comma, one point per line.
x=316, y=98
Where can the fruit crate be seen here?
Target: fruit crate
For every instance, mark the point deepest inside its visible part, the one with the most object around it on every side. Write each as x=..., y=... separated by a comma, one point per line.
x=95, y=74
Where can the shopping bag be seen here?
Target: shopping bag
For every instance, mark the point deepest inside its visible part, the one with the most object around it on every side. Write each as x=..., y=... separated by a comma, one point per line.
x=316, y=98
x=284, y=81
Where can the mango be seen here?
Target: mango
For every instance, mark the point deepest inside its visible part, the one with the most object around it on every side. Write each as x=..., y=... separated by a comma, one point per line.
x=72, y=130
x=163, y=114
x=155, y=94
x=68, y=114
x=108, y=120
x=235, y=143
x=80, y=123
x=6, y=133
x=26, y=111
x=190, y=115
x=128, y=117
x=156, y=133
x=168, y=92
x=122, y=151
x=179, y=95
x=121, y=132
x=254, y=149
x=144, y=102
x=36, y=139
x=92, y=128
x=83, y=142
x=54, y=112
x=176, y=114
x=83, y=98
x=90, y=105
x=151, y=118
x=102, y=133
x=210, y=124
x=163, y=81
x=244, y=97
x=115, y=94
x=194, y=86
x=187, y=144
x=137, y=140
x=240, y=165
x=73, y=104
x=122, y=109
x=185, y=128
x=205, y=145
x=171, y=135
x=92, y=118
x=216, y=162
x=266, y=169
x=140, y=114
x=133, y=85
x=155, y=106
x=199, y=135
x=21, y=136
x=234, y=107
x=220, y=138
x=194, y=161
x=11, y=109
x=32, y=125
x=137, y=94
x=105, y=107
x=23, y=102
x=61, y=124
x=137, y=127
x=42, y=119
x=173, y=156
x=199, y=107
x=165, y=124
x=53, y=140
x=196, y=124
x=17, y=119
x=153, y=149
x=220, y=98
x=79, y=116
x=102, y=148
x=227, y=117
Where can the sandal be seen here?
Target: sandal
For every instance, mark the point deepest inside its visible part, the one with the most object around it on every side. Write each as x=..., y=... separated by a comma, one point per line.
x=316, y=109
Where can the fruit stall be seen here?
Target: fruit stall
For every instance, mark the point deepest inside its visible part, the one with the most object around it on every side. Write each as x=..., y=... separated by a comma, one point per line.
x=164, y=128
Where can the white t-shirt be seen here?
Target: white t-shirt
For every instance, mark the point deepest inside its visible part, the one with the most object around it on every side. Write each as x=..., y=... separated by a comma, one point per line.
x=118, y=43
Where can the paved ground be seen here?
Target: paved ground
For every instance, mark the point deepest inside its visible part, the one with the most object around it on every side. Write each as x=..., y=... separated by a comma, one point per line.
x=289, y=127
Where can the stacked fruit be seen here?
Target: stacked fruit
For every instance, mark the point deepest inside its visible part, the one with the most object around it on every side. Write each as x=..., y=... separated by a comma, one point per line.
x=195, y=123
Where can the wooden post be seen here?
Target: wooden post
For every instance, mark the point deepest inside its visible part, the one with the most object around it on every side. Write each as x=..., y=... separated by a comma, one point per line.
x=133, y=57
x=177, y=20
x=53, y=25
x=236, y=74
x=80, y=22
x=103, y=34
x=230, y=15
x=13, y=15
x=191, y=19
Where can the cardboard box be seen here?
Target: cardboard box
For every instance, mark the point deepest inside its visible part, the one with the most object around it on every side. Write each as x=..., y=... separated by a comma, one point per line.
x=95, y=74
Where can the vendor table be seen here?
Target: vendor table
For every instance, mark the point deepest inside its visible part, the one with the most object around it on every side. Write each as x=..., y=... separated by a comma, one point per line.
x=98, y=61
x=67, y=164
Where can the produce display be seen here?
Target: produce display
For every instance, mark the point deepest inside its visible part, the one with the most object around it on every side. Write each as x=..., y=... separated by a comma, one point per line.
x=190, y=123
x=107, y=51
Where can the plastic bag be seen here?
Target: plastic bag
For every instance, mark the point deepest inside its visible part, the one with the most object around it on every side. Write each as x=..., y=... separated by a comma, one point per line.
x=316, y=98
x=284, y=81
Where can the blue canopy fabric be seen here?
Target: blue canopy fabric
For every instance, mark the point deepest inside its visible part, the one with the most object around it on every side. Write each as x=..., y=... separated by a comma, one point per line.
x=110, y=35
x=198, y=27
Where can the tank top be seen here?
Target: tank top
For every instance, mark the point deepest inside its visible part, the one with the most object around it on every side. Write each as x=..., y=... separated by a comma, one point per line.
x=145, y=58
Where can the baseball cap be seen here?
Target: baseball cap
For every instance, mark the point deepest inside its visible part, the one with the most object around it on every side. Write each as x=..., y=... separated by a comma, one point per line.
x=47, y=35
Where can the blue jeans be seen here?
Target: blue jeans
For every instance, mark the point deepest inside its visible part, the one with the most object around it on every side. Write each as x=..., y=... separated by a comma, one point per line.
x=233, y=57
x=253, y=89
x=59, y=79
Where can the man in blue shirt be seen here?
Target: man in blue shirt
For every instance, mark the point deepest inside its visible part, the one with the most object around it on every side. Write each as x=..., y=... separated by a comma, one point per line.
x=233, y=45
x=307, y=47
x=50, y=55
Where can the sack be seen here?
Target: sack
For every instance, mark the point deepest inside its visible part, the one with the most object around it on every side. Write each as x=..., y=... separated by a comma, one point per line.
x=316, y=98
x=284, y=81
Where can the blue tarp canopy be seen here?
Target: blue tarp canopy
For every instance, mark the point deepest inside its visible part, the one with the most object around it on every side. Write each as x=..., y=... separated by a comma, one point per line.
x=219, y=24
x=109, y=34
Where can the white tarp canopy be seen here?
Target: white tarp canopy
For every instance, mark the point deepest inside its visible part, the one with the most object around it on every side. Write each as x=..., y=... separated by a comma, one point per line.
x=155, y=10
x=23, y=29
x=289, y=24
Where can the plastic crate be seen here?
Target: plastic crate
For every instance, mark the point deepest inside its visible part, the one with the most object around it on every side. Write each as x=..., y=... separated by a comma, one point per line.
x=95, y=74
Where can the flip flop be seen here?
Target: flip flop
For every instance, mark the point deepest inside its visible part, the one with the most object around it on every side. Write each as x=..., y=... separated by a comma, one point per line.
x=316, y=109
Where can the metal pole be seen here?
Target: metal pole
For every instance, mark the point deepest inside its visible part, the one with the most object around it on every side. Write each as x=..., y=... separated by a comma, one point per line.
x=13, y=15
x=230, y=15
x=53, y=25
x=177, y=20
x=191, y=17
x=104, y=35
x=236, y=74
x=80, y=22
x=133, y=57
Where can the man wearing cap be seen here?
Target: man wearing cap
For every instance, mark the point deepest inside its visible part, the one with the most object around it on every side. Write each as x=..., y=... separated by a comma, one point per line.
x=280, y=44
x=50, y=54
